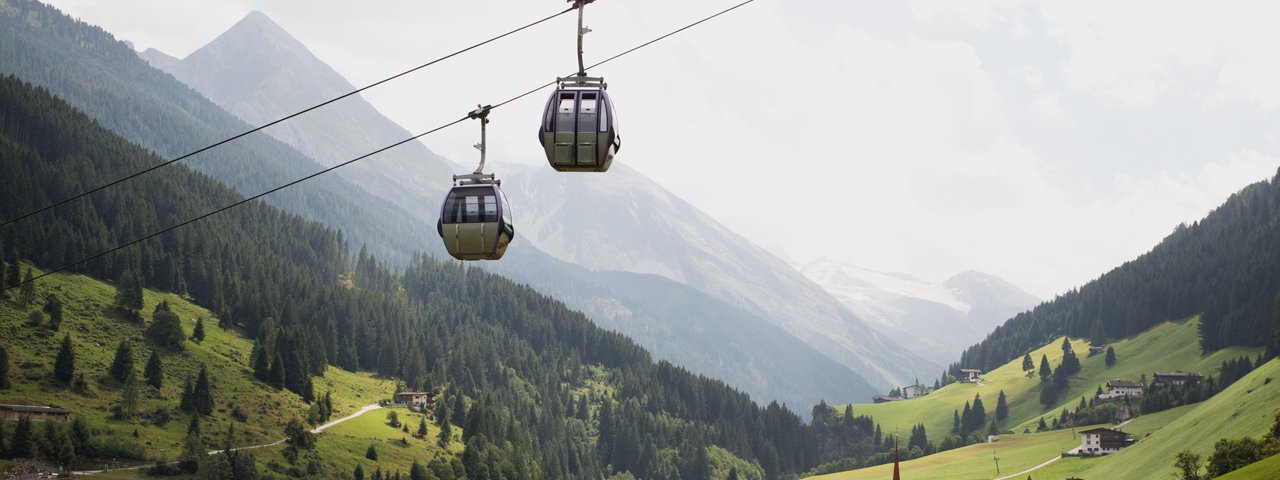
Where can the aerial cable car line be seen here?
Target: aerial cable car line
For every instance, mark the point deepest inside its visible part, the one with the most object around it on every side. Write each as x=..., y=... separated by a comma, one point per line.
x=354, y=160
x=475, y=218
x=277, y=121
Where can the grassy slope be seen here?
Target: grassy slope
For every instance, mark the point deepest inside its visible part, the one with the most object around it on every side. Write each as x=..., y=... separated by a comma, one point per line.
x=1245, y=409
x=1168, y=346
x=1264, y=470
x=1140, y=428
x=1016, y=453
x=96, y=331
x=341, y=447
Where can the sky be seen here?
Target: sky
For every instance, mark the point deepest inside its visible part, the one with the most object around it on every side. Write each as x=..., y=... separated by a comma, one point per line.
x=1043, y=142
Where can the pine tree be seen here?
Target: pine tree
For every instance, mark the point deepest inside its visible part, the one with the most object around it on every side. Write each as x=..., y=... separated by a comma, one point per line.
x=166, y=328
x=154, y=372
x=128, y=298
x=1111, y=356
x=193, y=448
x=358, y=474
x=53, y=308
x=13, y=273
x=261, y=362
x=202, y=395
x=1002, y=407
x=27, y=293
x=187, y=402
x=445, y=436
x=371, y=453
x=122, y=365
x=1070, y=363
x=1028, y=364
x=422, y=427
x=733, y=474
x=277, y=372
x=64, y=366
x=416, y=472
x=130, y=395
x=23, y=444
x=1045, y=370
x=4, y=373
x=459, y=410
x=197, y=335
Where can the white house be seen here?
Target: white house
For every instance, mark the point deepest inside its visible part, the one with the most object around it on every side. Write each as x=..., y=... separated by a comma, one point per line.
x=1121, y=389
x=1101, y=441
x=970, y=375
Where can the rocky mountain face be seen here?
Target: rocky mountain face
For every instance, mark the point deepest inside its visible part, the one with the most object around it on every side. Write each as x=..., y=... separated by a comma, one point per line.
x=259, y=73
x=934, y=320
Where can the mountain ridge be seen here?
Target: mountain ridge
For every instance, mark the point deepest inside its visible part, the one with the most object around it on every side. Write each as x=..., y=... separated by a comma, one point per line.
x=934, y=320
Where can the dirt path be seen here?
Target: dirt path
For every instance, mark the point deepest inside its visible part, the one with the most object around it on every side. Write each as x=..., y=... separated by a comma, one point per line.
x=1051, y=460
x=363, y=410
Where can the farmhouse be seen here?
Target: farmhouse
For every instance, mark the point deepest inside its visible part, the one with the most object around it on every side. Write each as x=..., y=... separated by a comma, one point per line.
x=418, y=400
x=1175, y=378
x=33, y=412
x=1121, y=389
x=1101, y=441
x=912, y=391
x=884, y=399
x=970, y=375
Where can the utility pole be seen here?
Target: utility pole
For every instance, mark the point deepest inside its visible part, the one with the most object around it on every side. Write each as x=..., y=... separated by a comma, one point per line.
x=997, y=459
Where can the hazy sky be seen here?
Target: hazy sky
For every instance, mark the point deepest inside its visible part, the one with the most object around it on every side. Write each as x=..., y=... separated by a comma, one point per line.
x=1044, y=142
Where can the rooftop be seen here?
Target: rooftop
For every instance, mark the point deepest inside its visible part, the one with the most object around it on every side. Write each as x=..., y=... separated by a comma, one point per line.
x=33, y=408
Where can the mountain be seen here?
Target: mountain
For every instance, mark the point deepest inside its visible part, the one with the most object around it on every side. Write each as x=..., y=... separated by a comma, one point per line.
x=935, y=321
x=103, y=77
x=539, y=391
x=1224, y=267
x=243, y=72
x=687, y=333
x=626, y=222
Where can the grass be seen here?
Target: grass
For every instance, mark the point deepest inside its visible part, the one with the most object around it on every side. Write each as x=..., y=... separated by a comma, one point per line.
x=1016, y=453
x=1263, y=470
x=340, y=448
x=1245, y=409
x=96, y=330
x=1168, y=346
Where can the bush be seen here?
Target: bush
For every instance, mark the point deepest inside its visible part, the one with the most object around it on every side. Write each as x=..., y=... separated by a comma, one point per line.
x=119, y=447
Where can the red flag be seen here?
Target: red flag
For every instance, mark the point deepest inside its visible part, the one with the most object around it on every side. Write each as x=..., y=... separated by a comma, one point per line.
x=896, y=475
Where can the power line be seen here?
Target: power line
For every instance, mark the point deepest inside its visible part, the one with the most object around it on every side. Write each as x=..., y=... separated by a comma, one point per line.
x=354, y=160
x=274, y=122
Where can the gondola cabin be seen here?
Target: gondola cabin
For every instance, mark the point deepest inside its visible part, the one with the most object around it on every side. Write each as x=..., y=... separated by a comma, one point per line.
x=475, y=222
x=579, y=129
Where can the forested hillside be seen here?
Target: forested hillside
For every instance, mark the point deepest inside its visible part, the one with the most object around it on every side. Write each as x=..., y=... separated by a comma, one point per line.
x=518, y=361
x=103, y=77
x=1225, y=267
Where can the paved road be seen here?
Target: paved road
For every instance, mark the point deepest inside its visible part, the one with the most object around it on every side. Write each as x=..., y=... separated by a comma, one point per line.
x=363, y=410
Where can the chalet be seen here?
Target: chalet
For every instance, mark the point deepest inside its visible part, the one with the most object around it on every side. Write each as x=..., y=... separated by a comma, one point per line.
x=1121, y=389
x=970, y=375
x=885, y=399
x=912, y=391
x=1175, y=378
x=418, y=400
x=33, y=412
x=1101, y=441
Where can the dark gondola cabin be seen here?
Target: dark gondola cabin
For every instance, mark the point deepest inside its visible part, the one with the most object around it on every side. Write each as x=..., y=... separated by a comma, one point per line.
x=579, y=129
x=475, y=222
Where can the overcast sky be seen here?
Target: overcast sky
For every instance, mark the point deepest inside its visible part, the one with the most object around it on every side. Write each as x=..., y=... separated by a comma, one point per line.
x=1044, y=142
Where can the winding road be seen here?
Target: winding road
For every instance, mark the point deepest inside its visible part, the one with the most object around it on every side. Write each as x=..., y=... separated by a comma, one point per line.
x=363, y=410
